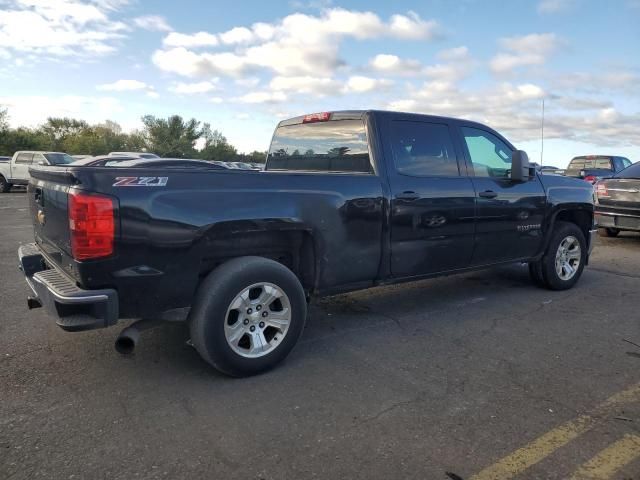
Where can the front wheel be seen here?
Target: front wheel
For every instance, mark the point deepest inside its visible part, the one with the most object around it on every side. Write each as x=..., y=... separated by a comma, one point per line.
x=248, y=316
x=5, y=186
x=563, y=262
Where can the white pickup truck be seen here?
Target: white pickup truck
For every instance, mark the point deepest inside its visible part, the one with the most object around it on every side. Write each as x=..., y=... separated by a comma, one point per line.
x=16, y=170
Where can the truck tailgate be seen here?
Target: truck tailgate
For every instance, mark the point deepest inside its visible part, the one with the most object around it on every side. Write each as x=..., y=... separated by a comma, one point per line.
x=48, y=199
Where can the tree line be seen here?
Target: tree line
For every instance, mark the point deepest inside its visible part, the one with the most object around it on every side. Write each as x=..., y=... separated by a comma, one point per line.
x=172, y=137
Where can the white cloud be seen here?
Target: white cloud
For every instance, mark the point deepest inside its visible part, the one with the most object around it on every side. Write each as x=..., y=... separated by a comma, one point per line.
x=152, y=22
x=123, y=86
x=200, y=39
x=194, y=88
x=412, y=27
x=319, y=86
x=454, y=54
x=237, y=35
x=298, y=44
x=262, y=97
x=248, y=82
x=526, y=50
x=360, y=84
x=33, y=110
x=216, y=100
x=555, y=6
x=59, y=27
x=395, y=65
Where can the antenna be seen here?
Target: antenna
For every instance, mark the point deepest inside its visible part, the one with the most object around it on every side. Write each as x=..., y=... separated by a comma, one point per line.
x=542, y=135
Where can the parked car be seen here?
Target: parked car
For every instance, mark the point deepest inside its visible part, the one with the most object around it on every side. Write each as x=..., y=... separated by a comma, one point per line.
x=4, y=159
x=16, y=170
x=592, y=168
x=134, y=154
x=113, y=161
x=376, y=198
x=549, y=170
x=618, y=202
x=81, y=157
x=102, y=160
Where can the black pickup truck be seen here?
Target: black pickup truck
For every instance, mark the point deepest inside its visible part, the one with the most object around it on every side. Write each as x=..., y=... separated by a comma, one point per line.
x=348, y=200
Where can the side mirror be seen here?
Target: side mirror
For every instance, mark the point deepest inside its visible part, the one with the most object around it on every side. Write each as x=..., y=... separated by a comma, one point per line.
x=520, y=168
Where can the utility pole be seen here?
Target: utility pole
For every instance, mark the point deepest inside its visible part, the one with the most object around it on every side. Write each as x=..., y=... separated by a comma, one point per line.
x=542, y=135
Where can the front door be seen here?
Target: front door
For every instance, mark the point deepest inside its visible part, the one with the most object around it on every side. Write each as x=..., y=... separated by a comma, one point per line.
x=432, y=199
x=509, y=214
x=20, y=168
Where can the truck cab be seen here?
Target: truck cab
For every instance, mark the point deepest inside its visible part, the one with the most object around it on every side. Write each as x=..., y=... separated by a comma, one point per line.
x=16, y=170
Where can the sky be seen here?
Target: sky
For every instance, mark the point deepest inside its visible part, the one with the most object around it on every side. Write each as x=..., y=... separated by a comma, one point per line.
x=242, y=66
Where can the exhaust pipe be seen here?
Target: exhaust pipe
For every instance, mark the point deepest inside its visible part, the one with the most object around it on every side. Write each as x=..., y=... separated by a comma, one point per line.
x=129, y=337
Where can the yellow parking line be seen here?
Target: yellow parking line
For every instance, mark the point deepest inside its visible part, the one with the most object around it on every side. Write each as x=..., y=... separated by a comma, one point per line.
x=540, y=448
x=610, y=460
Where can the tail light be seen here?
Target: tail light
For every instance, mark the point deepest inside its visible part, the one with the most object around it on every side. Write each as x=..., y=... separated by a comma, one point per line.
x=601, y=190
x=92, y=226
x=591, y=179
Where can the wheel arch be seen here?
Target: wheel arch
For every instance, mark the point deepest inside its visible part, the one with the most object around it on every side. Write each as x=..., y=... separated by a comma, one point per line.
x=582, y=216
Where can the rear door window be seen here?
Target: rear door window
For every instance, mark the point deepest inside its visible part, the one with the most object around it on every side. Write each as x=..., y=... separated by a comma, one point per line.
x=333, y=146
x=423, y=149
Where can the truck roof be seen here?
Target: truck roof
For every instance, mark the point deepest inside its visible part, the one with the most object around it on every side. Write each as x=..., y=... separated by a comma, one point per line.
x=357, y=114
x=38, y=151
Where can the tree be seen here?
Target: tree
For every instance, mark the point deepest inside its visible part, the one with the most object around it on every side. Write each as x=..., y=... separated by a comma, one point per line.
x=171, y=137
x=216, y=146
x=60, y=130
x=4, y=120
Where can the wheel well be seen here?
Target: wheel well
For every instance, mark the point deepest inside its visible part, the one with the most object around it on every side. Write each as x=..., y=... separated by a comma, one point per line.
x=583, y=219
x=294, y=249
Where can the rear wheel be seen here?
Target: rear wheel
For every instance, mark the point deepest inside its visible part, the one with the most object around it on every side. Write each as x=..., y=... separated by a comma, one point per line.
x=563, y=262
x=608, y=232
x=5, y=186
x=248, y=316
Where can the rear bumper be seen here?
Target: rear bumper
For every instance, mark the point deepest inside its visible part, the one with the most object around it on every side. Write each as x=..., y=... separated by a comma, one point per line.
x=75, y=309
x=621, y=221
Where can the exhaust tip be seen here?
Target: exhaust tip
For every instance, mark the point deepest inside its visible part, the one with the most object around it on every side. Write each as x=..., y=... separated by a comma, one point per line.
x=125, y=345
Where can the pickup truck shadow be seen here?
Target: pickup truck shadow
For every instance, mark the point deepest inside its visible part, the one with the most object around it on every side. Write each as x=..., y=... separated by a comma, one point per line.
x=414, y=309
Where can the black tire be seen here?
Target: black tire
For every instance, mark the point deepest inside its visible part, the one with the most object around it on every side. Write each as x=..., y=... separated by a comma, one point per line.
x=608, y=232
x=545, y=268
x=5, y=187
x=216, y=293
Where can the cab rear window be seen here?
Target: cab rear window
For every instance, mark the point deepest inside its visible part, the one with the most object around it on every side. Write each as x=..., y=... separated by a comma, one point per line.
x=333, y=146
x=578, y=164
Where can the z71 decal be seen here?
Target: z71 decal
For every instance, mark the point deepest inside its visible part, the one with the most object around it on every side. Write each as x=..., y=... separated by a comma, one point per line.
x=141, y=181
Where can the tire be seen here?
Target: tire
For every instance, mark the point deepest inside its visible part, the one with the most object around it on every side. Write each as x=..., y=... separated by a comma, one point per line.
x=5, y=187
x=608, y=232
x=568, y=237
x=221, y=319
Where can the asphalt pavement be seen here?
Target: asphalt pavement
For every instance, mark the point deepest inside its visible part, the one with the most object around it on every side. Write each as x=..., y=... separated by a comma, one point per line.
x=474, y=377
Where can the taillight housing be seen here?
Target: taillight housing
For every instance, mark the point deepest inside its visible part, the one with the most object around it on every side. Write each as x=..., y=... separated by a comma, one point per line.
x=92, y=225
x=591, y=179
x=601, y=190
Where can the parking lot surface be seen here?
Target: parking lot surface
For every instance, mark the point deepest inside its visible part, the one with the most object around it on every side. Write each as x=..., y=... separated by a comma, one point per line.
x=478, y=376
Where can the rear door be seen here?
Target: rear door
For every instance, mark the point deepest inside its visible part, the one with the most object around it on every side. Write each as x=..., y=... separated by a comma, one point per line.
x=432, y=199
x=20, y=168
x=509, y=215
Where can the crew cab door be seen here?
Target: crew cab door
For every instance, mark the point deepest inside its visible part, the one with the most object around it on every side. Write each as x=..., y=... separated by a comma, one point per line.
x=432, y=199
x=509, y=215
x=20, y=167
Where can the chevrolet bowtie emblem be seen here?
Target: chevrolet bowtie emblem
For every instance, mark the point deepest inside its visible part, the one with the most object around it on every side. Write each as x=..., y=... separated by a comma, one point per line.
x=40, y=217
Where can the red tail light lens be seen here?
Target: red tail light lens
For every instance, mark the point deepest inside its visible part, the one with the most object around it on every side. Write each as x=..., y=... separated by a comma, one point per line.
x=92, y=225
x=590, y=179
x=601, y=190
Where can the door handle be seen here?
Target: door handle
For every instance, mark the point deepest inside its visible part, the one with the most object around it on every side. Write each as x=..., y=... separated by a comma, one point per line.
x=407, y=196
x=488, y=194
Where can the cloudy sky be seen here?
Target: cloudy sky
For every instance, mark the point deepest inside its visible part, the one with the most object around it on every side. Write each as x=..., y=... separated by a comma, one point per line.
x=244, y=65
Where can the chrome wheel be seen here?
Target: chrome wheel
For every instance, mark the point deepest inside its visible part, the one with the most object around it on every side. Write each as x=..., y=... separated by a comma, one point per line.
x=568, y=258
x=257, y=320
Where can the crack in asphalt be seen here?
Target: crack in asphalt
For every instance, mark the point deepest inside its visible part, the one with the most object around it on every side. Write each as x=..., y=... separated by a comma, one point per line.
x=613, y=272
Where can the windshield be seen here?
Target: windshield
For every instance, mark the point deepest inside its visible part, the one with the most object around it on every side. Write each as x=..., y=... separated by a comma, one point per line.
x=577, y=164
x=59, y=158
x=630, y=172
